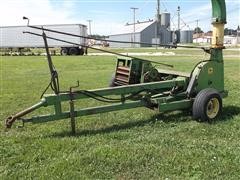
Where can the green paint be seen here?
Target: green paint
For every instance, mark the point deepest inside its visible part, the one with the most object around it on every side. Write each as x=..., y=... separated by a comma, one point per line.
x=176, y=105
x=51, y=99
x=208, y=74
x=55, y=100
x=218, y=11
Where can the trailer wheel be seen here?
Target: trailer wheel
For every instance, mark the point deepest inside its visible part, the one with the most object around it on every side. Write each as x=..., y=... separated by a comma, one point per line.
x=112, y=80
x=73, y=51
x=81, y=51
x=64, y=51
x=207, y=105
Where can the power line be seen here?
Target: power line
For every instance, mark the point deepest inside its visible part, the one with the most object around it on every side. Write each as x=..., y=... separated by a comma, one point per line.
x=146, y=3
x=173, y=21
x=209, y=18
x=163, y=5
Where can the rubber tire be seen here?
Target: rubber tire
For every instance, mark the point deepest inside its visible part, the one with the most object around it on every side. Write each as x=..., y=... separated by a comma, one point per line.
x=199, y=108
x=64, y=51
x=73, y=51
x=81, y=51
x=111, y=82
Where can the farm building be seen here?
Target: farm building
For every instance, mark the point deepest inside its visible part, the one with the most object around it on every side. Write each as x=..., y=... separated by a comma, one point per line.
x=152, y=32
x=203, y=39
x=144, y=32
x=186, y=36
x=229, y=40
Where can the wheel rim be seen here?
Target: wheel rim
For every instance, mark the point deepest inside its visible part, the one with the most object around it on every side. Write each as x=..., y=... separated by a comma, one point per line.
x=213, y=108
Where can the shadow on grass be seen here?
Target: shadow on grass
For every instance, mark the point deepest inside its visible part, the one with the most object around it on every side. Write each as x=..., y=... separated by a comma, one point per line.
x=228, y=113
x=173, y=117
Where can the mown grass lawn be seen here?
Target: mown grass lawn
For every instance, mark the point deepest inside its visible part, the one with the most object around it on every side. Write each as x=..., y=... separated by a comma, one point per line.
x=130, y=144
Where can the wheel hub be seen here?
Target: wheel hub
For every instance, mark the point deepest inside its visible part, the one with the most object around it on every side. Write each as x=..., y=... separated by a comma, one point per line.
x=213, y=108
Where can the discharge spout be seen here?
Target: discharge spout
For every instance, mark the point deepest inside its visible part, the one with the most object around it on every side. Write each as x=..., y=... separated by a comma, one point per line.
x=218, y=22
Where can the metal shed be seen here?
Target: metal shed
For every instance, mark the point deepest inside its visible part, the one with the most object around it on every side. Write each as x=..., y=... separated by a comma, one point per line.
x=144, y=32
x=186, y=36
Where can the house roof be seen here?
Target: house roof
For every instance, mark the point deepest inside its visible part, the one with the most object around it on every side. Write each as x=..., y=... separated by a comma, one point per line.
x=127, y=29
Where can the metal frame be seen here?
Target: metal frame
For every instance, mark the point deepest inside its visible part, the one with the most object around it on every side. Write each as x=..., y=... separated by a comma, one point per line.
x=164, y=95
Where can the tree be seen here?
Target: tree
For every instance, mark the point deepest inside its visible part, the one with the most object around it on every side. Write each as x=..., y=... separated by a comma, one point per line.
x=226, y=31
x=230, y=31
x=198, y=30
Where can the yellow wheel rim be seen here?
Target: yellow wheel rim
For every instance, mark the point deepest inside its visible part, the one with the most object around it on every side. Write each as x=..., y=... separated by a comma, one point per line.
x=213, y=108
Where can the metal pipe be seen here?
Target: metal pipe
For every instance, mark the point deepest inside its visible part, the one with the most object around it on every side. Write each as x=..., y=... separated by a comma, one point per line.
x=118, y=54
x=10, y=120
x=218, y=21
x=114, y=41
x=53, y=72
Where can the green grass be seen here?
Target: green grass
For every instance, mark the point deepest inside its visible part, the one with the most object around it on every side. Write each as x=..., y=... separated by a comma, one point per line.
x=130, y=144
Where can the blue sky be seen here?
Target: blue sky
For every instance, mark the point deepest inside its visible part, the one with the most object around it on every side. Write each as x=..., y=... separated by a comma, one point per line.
x=109, y=15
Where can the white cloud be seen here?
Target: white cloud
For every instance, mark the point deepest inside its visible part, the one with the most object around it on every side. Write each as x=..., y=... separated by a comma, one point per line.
x=43, y=12
x=106, y=28
x=39, y=12
x=199, y=11
x=203, y=14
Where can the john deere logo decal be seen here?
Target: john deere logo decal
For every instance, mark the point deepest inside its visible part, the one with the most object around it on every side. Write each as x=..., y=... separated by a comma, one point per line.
x=210, y=70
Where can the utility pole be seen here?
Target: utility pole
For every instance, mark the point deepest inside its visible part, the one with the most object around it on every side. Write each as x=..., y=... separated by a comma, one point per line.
x=238, y=31
x=157, y=23
x=89, y=25
x=197, y=25
x=134, y=23
x=178, y=10
x=197, y=30
x=177, y=32
x=158, y=10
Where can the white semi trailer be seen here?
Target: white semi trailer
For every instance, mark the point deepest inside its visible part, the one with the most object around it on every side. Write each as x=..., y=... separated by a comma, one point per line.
x=13, y=37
